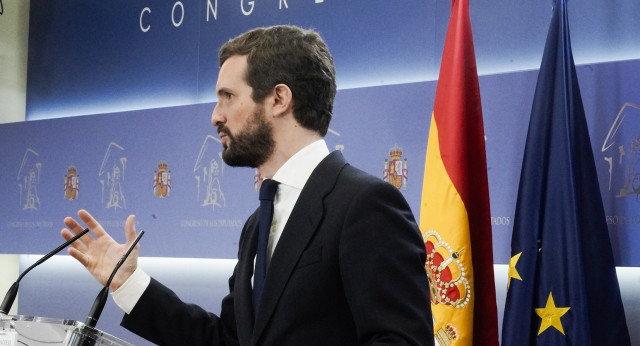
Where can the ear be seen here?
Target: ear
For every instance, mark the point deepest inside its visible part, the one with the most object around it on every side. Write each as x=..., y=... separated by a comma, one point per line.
x=282, y=100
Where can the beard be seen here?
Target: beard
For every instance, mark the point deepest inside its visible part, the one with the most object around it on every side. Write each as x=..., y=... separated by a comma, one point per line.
x=252, y=146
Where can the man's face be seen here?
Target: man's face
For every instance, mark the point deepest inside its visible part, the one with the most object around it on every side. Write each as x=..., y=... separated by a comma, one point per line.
x=246, y=135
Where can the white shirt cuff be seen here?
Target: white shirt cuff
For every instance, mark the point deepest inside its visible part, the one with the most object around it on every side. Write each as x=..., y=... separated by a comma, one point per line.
x=130, y=292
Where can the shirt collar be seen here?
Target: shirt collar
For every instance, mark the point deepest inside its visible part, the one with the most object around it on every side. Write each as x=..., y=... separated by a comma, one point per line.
x=297, y=170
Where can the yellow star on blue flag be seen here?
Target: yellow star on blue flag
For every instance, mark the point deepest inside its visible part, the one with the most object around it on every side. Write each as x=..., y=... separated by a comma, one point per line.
x=550, y=315
x=513, y=272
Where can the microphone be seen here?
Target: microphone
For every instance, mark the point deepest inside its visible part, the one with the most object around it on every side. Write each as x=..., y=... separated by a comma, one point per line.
x=101, y=299
x=87, y=335
x=13, y=290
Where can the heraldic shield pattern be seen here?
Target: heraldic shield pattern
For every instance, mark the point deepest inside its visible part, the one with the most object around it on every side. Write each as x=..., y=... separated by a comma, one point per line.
x=162, y=180
x=395, y=171
x=446, y=336
x=71, y=183
x=447, y=276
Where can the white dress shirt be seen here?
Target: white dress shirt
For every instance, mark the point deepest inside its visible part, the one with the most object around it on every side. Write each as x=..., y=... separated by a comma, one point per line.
x=293, y=175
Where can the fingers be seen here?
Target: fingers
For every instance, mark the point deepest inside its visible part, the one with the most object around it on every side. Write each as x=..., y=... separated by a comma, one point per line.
x=130, y=229
x=93, y=225
x=75, y=228
x=66, y=234
x=99, y=253
x=78, y=255
x=73, y=225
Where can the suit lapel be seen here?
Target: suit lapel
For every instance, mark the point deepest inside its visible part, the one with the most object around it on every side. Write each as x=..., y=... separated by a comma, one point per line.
x=243, y=302
x=300, y=228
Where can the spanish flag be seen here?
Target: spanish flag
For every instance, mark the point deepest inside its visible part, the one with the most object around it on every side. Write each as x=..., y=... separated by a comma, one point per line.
x=454, y=215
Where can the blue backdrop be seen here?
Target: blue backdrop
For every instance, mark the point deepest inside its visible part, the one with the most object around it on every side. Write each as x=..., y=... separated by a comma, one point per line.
x=116, y=158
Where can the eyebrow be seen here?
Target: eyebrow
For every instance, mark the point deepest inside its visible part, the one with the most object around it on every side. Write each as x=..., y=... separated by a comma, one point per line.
x=223, y=90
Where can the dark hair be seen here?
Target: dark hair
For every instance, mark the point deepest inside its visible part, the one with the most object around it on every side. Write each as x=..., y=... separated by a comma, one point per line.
x=292, y=56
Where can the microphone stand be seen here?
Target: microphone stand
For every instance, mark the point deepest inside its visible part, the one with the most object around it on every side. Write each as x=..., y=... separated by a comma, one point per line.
x=86, y=335
x=13, y=290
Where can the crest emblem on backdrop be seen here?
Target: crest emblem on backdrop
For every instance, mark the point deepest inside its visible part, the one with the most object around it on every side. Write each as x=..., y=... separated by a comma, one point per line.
x=111, y=174
x=257, y=179
x=208, y=173
x=162, y=181
x=29, y=179
x=621, y=150
x=71, y=184
x=395, y=170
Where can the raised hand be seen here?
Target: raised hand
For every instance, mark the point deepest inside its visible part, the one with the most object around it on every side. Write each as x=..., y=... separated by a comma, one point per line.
x=100, y=253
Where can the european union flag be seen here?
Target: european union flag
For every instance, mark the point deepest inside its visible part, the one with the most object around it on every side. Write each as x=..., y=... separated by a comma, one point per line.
x=563, y=288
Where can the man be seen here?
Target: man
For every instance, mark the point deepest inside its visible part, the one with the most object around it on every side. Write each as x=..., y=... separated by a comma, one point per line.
x=345, y=257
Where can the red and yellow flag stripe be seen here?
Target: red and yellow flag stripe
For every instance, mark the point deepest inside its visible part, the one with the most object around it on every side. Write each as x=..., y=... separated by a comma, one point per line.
x=455, y=215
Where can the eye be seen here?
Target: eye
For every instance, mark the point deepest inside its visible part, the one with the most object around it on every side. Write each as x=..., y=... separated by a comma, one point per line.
x=223, y=95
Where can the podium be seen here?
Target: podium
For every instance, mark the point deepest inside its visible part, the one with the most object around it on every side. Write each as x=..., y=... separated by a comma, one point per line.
x=42, y=331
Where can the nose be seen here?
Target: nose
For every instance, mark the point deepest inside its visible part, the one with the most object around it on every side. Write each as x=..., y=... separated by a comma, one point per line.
x=216, y=117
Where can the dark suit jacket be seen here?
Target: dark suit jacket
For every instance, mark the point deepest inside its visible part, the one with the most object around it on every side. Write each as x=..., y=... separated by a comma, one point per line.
x=347, y=270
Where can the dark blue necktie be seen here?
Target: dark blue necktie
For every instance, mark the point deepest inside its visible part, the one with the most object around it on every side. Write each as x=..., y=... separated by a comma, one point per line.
x=267, y=194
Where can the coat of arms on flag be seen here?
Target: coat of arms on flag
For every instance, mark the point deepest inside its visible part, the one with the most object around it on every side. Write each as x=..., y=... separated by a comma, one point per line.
x=447, y=274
